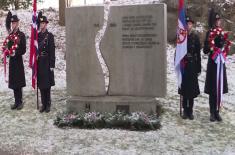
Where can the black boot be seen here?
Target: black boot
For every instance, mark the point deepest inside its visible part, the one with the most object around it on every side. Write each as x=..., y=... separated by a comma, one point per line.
x=185, y=114
x=48, y=107
x=14, y=106
x=212, y=117
x=48, y=100
x=190, y=109
x=212, y=103
x=43, y=100
x=190, y=116
x=20, y=106
x=217, y=116
x=43, y=108
x=18, y=99
x=185, y=107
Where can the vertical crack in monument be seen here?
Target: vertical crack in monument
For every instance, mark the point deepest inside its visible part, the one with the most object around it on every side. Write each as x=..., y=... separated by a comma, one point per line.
x=98, y=40
x=116, y=57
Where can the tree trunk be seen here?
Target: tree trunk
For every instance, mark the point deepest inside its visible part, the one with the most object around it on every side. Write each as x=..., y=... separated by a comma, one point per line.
x=62, y=6
x=16, y=4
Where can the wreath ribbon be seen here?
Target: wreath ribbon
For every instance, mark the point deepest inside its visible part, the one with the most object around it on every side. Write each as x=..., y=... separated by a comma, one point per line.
x=219, y=59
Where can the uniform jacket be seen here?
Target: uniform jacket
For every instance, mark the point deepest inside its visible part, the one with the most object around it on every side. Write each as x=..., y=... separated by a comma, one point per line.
x=16, y=66
x=46, y=60
x=192, y=67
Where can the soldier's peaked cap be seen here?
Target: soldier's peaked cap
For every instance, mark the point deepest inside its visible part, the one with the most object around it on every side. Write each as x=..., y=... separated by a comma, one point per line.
x=43, y=19
x=189, y=19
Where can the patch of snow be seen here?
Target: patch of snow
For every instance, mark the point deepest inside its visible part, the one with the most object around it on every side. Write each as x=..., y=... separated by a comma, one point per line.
x=29, y=132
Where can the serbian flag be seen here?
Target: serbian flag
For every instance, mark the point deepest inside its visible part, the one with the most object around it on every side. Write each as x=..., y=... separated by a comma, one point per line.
x=34, y=45
x=181, y=48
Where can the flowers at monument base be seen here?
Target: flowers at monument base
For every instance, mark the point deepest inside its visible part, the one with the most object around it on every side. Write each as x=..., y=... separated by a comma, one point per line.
x=137, y=121
x=93, y=120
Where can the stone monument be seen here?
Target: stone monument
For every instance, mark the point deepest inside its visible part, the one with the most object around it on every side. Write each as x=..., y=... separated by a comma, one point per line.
x=134, y=49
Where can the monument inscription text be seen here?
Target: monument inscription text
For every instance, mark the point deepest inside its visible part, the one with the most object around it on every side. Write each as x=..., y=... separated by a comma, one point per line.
x=138, y=32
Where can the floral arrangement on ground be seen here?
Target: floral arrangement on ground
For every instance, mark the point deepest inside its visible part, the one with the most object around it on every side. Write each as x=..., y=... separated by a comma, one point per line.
x=136, y=121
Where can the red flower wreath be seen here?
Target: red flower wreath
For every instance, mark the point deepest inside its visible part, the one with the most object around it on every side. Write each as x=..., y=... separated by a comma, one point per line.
x=11, y=44
x=215, y=32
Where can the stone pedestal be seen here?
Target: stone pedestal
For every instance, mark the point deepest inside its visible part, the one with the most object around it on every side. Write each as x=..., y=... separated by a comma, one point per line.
x=112, y=104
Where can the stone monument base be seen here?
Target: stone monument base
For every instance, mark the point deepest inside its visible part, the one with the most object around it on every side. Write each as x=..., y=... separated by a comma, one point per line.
x=112, y=104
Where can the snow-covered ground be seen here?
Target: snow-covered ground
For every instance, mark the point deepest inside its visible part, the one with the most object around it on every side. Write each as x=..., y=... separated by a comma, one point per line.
x=29, y=132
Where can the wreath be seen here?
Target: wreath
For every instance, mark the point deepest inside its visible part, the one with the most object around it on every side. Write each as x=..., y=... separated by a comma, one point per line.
x=219, y=32
x=10, y=44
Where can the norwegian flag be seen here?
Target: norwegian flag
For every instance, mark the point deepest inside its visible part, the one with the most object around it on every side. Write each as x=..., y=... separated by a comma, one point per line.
x=181, y=48
x=34, y=45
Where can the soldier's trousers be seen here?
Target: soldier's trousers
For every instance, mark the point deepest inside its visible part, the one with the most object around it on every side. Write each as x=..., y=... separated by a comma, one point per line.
x=46, y=97
x=212, y=103
x=18, y=96
x=188, y=105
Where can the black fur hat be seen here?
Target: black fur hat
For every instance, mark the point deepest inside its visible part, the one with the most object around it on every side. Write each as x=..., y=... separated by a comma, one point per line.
x=8, y=21
x=213, y=16
x=38, y=19
x=14, y=18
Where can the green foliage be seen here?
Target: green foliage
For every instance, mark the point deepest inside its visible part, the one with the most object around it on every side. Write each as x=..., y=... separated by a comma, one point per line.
x=137, y=121
x=118, y=120
x=16, y=4
x=9, y=44
x=4, y=4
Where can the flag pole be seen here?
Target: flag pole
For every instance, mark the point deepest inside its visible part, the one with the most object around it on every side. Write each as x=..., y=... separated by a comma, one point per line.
x=181, y=97
x=37, y=97
x=180, y=105
x=36, y=61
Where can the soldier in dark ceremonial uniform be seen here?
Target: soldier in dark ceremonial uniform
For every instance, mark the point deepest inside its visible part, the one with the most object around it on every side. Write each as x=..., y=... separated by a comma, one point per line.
x=211, y=74
x=46, y=64
x=192, y=69
x=16, y=66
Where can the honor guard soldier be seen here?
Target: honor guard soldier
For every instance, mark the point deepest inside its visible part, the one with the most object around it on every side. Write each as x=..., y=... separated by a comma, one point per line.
x=15, y=47
x=192, y=69
x=217, y=46
x=46, y=64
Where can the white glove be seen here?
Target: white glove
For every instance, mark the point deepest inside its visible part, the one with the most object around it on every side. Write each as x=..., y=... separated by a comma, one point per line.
x=52, y=69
